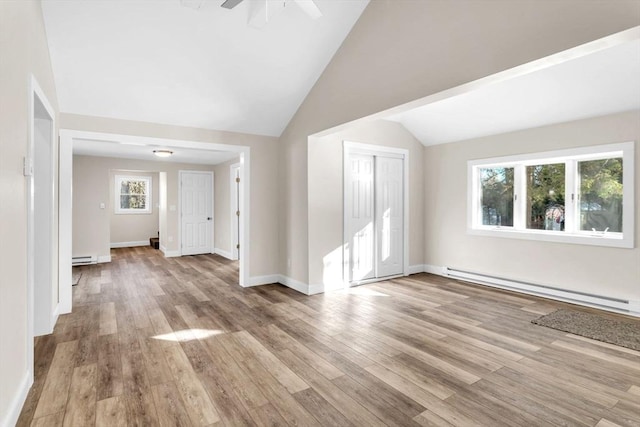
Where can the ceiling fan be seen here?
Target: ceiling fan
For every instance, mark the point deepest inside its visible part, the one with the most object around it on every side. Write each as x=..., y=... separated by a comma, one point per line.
x=308, y=6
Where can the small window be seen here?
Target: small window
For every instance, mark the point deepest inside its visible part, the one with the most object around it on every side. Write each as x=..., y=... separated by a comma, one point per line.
x=132, y=194
x=582, y=195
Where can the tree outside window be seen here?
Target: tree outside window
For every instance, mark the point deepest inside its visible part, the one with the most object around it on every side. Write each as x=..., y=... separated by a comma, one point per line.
x=545, y=197
x=497, y=196
x=601, y=195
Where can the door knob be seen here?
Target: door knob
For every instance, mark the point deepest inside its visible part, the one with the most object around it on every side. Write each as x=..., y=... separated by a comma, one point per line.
x=209, y=218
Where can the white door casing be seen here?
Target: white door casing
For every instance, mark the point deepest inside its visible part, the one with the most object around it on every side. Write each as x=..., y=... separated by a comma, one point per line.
x=196, y=212
x=234, y=191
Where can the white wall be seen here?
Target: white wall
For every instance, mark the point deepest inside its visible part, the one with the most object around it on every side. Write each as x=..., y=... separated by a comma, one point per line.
x=264, y=173
x=222, y=206
x=326, y=188
x=24, y=51
x=93, y=185
x=612, y=272
x=125, y=228
x=400, y=51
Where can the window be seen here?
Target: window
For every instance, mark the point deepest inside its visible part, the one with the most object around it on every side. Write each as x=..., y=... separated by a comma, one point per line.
x=497, y=196
x=132, y=194
x=545, y=197
x=583, y=195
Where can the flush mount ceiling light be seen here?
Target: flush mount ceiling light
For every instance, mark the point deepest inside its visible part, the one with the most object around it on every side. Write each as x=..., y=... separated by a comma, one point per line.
x=162, y=153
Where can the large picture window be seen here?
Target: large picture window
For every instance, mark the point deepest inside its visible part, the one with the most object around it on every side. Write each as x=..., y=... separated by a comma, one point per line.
x=132, y=194
x=582, y=195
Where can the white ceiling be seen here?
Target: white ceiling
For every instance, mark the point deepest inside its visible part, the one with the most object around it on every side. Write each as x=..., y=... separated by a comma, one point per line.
x=158, y=61
x=600, y=83
x=136, y=148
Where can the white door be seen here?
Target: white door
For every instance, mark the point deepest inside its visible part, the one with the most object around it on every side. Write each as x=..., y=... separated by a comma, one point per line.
x=235, y=210
x=389, y=216
x=196, y=210
x=374, y=216
x=360, y=213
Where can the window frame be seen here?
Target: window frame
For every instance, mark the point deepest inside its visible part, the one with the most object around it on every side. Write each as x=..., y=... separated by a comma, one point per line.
x=117, y=194
x=572, y=233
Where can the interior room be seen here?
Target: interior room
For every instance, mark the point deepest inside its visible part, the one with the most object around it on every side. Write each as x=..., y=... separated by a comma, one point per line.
x=319, y=212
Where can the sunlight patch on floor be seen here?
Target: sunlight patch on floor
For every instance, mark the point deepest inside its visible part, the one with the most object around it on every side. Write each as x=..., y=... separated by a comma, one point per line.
x=188, y=335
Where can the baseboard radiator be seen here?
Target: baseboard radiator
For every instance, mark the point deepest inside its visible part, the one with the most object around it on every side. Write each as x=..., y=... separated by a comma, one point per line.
x=84, y=260
x=581, y=298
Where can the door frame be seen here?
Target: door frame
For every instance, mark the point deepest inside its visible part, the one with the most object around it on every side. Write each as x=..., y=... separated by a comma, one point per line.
x=67, y=136
x=181, y=172
x=35, y=91
x=235, y=223
x=350, y=147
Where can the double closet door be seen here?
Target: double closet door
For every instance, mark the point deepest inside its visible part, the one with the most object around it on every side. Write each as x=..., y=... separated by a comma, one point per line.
x=374, y=216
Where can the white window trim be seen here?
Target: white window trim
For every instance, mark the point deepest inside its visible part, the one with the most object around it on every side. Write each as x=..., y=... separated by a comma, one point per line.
x=625, y=239
x=116, y=190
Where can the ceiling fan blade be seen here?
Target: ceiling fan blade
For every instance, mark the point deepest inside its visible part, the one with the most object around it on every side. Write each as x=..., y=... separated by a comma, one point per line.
x=310, y=8
x=230, y=4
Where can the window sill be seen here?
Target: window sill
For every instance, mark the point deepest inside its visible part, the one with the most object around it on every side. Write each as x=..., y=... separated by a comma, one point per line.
x=132, y=213
x=615, y=240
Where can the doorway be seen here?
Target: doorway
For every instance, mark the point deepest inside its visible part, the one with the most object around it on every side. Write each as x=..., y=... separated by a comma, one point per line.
x=69, y=137
x=196, y=212
x=375, y=212
x=40, y=167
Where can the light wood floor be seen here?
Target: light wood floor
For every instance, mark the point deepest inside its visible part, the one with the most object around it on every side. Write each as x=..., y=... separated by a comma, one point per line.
x=155, y=341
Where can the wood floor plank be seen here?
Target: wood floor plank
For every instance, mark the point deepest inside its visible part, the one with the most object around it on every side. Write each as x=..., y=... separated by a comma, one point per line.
x=53, y=420
x=81, y=407
x=53, y=398
x=109, y=367
x=112, y=412
x=280, y=371
x=175, y=341
x=267, y=415
x=169, y=406
x=197, y=402
x=108, y=324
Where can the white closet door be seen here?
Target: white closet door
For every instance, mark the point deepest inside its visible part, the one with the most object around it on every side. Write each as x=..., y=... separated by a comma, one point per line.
x=389, y=215
x=360, y=217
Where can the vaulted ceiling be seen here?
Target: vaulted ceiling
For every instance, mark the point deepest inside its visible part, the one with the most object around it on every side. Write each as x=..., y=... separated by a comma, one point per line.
x=191, y=62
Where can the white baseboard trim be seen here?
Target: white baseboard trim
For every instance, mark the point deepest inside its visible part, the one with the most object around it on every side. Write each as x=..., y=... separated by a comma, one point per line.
x=294, y=284
x=223, y=253
x=315, y=289
x=435, y=269
x=15, y=407
x=129, y=244
x=415, y=269
x=104, y=258
x=170, y=254
x=262, y=280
